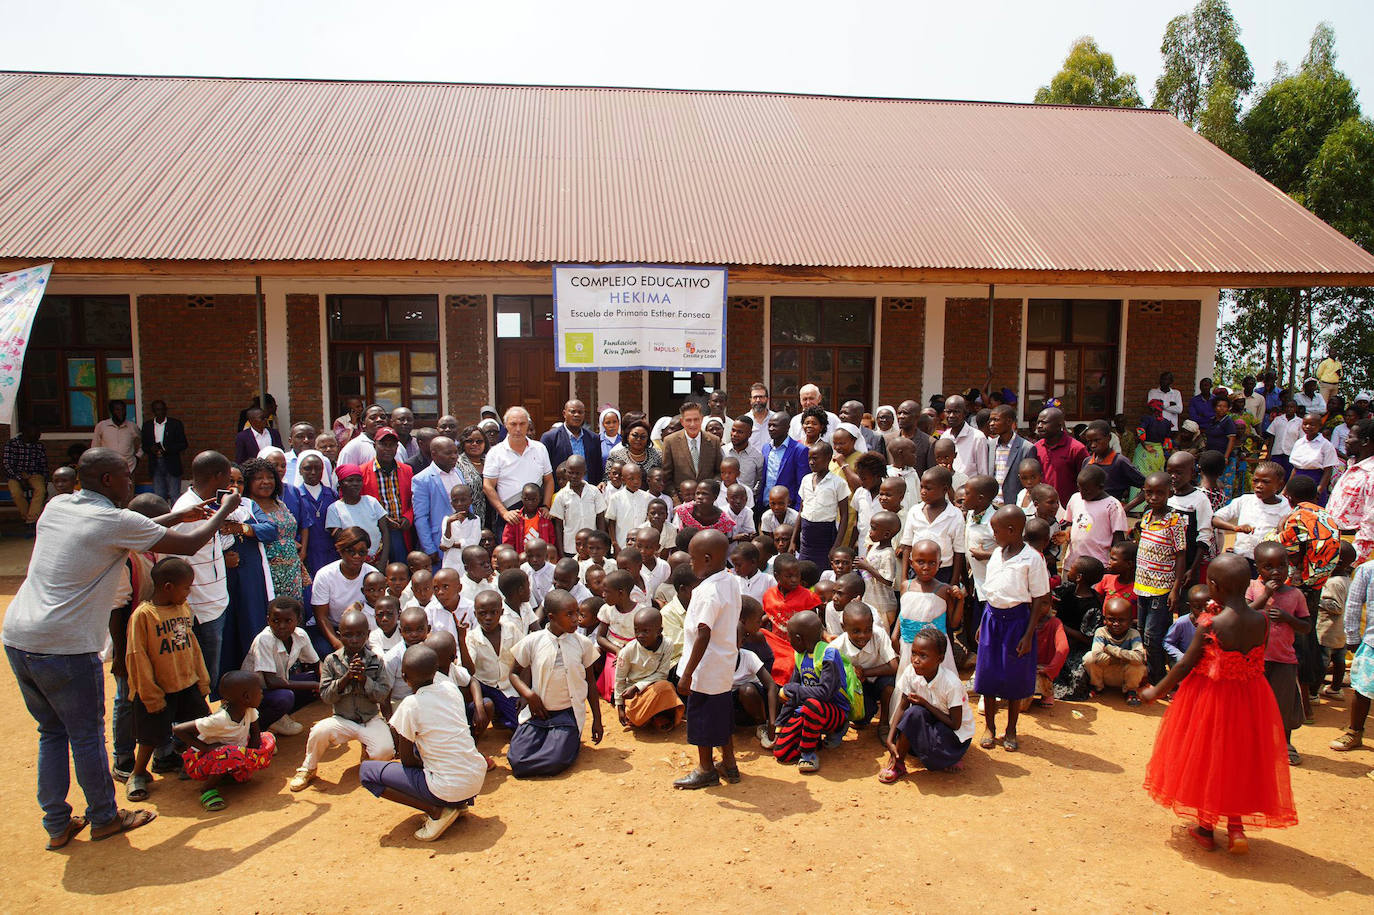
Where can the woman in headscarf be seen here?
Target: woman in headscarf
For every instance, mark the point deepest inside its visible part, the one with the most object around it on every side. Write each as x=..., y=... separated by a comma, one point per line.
x=609, y=424
x=313, y=498
x=885, y=420
x=849, y=446
x=1154, y=435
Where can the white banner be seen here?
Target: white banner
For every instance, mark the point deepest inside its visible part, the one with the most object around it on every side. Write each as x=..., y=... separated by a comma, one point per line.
x=639, y=316
x=20, y=293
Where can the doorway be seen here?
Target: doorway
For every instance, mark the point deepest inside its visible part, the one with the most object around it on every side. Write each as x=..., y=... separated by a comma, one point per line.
x=525, y=372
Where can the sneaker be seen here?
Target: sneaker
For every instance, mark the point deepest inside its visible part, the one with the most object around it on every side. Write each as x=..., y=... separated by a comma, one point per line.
x=809, y=762
x=1332, y=692
x=764, y=740
x=302, y=779
x=434, y=828
x=1132, y=698
x=286, y=726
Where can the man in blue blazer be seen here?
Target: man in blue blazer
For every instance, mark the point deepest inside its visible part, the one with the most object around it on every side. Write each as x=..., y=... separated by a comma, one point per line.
x=429, y=494
x=559, y=441
x=789, y=469
x=257, y=436
x=1002, y=437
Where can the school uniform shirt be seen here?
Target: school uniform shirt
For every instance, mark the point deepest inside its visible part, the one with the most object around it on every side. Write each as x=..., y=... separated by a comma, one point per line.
x=944, y=692
x=267, y=654
x=756, y=585
x=492, y=665
x=833, y=618
x=440, y=618
x=1016, y=579
x=947, y=530
x=620, y=627
x=576, y=511
x=475, y=586
x=723, y=500
x=1286, y=432
x=769, y=522
x=461, y=534
x=821, y=498
x=652, y=578
x=435, y=720
x=881, y=597
x=210, y=588
x=747, y=667
x=674, y=619
x=912, y=478
x=970, y=451
x=642, y=667
x=366, y=514
x=558, y=670
x=1313, y=454
x=876, y=653
x=1250, y=509
x=330, y=588
x=522, y=617
x=864, y=505
x=715, y=603
x=1093, y=526
x=221, y=728
x=744, y=520
x=381, y=643
x=629, y=510
x=541, y=581
x=978, y=535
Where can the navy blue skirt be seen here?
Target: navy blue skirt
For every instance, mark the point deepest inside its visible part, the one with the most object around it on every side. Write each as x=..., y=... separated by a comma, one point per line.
x=544, y=746
x=933, y=743
x=710, y=718
x=817, y=537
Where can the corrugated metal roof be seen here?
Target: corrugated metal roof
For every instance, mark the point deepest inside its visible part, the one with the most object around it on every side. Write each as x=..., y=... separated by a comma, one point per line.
x=129, y=167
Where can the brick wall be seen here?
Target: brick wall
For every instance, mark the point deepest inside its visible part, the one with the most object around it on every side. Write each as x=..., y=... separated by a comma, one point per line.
x=303, y=364
x=744, y=332
x=584, y=385
x=1160, y=337
x=902, y=351
x=199, y=353
x=468, y=356
x=966, y=344
x=631, y=391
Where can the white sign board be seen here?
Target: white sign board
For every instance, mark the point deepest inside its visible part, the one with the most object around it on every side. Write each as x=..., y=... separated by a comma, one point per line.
x=20, y=294
x=638, y=316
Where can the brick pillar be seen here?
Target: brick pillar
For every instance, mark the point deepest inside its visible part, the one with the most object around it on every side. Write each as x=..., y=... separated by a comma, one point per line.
x=744, y=332
x=466, y=372
x=631, y=391
x=199, y=353
x=902, y=352
x=303, y=366
x=966, y=344
x=1160, y=337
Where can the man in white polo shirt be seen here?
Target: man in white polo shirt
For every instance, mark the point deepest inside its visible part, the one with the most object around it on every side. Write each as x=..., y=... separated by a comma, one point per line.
x=510, y=464
x=810, y=396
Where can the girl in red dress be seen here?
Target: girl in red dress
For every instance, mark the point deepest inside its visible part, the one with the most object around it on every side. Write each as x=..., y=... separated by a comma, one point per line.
x=1220, y=751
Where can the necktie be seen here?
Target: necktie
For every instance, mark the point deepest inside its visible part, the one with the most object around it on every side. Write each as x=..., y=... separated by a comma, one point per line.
x=693, y=443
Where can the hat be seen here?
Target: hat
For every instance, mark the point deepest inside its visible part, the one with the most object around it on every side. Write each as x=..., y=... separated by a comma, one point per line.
x=488, y=423
x=385, y=432
x=488, y=408
x=1363, y=395
x=344, y=471
x=1008, y=396
x=1190, y=426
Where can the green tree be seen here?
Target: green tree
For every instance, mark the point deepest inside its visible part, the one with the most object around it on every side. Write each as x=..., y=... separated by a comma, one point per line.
x=1089, y=77
x=1201, y=50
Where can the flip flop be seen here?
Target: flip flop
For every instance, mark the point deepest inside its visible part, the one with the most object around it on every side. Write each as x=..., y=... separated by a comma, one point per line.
x=1010, y=744
x=212, y=800
x=124, y=821
x=892, y=774
x=137, y=788
x=988, y=742
x=74, y=826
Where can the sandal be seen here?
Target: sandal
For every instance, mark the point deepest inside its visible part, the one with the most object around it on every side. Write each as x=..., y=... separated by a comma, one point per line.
x=1204, y=838
x=1293, y=758
x=137, y=788
x=893, y=773
x=1132, y=698
x=1349, y=740
x=124, y=821
x=730, y=776
x=1010, y=744
x=211, y=800
x=74, y=826
x=1236, y=842
x=988, y=742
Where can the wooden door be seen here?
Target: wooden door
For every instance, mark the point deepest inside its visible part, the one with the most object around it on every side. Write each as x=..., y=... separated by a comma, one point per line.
x=525, y=376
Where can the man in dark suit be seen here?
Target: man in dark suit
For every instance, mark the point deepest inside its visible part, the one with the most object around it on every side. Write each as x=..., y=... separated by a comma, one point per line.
x=256, y=437
x=560, y=441
x=907, y=413
x=1002, y=438
x=784, y=462
x=164, y=439
x=690, y=453
x=851, y=411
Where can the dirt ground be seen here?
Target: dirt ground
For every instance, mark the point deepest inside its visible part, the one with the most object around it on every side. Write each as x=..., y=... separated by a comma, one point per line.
x=1062, y=824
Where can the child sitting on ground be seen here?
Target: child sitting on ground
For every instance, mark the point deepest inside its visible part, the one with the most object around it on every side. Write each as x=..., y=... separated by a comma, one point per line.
x=1181, y=632
x=354, y=681
x=420, y=591
x=1118, y=578
x=1051, y=651
x=490, y=644
x=816, y=700
x=879, y=567
x=228, y=742
x=755, y=690
x=285, y=661
x=1117, y=657
x=847, y=589
x=643, y=691
x=553, y=675
x=933, y=721
x=168, y=681
x=534, y=524
x=784, y=542
x=438, y=771
x=449, y=611
x=397, y=579
x=1078, y=607
x=870, y=654
x=374, y=588
x=414, y=629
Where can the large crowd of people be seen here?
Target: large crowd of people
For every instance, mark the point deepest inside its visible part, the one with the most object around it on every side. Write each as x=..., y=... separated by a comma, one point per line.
x=896, y=571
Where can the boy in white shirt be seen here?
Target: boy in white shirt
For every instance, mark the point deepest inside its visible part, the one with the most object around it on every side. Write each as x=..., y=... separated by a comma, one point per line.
x=539, y=570
x=653, y=570
x=738, y=510
x=1283, y=432
x=779, y=512
x=706, y=672
x=879, y=566
x=753, y=582
x=934, y=518
x=729, y=476
x=387, y=616
x=514, y=586
x=491, y=643
x=449, y=607
x=576, y=506
x=1254, y=515
x=628, y=508
x=870, y=652
x=285, y=661
x=229, y=741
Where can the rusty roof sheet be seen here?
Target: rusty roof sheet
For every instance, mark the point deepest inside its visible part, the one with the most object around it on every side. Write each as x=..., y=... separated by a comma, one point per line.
x=133, y=167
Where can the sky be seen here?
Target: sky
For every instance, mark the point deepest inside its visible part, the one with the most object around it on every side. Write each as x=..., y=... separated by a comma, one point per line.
x=997, y=51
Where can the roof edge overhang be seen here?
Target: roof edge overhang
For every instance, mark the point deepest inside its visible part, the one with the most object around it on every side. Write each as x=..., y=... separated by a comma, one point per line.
x=743, y=273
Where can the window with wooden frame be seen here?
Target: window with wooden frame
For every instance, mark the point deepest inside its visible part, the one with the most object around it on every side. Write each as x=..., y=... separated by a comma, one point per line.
x=385, y=349
x=80, y=356
x=827, y=342
x=1071, y=353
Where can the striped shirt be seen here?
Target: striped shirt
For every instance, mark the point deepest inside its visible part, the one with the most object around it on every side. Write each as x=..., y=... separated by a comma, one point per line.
x=389, y=490
x=1162, y=538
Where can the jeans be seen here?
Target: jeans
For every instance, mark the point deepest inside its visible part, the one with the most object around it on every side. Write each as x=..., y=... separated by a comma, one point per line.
x=164, y=483
x=1155, y=618
x=65, y=694
x=210, y=635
